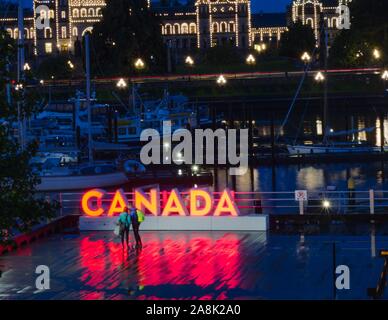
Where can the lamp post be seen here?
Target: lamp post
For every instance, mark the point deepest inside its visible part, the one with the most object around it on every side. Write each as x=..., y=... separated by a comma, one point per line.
x=221, y=80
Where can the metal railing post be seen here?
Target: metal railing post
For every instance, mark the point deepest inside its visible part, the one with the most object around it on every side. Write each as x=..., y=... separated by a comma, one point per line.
x=372, y=201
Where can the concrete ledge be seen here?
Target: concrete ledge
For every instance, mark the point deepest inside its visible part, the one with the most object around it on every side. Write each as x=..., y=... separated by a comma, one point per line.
x=175, y=223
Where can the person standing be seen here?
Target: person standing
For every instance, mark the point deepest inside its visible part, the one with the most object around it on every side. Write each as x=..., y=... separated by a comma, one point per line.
x=135, y=221
x=124, y=223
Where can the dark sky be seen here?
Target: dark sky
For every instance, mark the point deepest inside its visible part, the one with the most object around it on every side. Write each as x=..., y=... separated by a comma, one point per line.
x=257, y=5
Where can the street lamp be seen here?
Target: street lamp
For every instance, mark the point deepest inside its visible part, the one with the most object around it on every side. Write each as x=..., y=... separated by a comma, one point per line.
x=189, y=61
x=251, y=59
x=376, y=54
x=139, y=64
x=121, y=84
x=319, y=77
x=384, y=75
x=306, y=57
x=71, y=65
x=221, y=80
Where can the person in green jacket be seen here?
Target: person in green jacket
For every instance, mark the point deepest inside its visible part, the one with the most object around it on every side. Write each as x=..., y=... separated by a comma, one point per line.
x=124, y=223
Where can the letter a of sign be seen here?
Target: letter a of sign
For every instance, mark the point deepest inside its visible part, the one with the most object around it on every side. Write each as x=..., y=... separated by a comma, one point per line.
x=174, y=204
x=226, y=205
x=119, y=202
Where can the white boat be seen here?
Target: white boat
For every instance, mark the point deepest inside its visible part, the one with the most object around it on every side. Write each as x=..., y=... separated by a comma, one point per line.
x=330, y=149
x=71, y=179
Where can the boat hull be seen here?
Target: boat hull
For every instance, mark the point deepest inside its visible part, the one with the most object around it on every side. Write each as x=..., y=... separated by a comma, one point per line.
x=301, y=149
x=73, y=183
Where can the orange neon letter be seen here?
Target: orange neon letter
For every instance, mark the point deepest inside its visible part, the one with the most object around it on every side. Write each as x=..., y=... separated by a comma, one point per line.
x=195, y=207
x=174, y=204
x=152, y=204
x=119, y=202
x=95, y=193
x=226, y=204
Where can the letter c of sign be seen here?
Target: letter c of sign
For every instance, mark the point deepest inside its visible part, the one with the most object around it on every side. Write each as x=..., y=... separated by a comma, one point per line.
x=97, y=194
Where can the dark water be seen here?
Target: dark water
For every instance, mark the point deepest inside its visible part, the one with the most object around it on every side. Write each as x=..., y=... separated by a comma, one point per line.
x=315, y=177
x=199, y=265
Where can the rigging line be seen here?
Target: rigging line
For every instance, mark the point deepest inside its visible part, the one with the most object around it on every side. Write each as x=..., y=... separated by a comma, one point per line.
x=293, y=100
x=307, y=68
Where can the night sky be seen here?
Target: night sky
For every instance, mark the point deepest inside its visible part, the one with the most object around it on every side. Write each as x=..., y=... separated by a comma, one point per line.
x=257, y=5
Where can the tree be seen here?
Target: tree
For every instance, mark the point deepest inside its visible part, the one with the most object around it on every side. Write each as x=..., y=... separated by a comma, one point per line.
x=298, y=39
x=369, y=30
x=56, y=66
x=20, y=207
x=127, y=31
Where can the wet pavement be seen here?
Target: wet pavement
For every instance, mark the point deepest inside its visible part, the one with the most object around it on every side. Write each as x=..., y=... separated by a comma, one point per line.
x=197, y=265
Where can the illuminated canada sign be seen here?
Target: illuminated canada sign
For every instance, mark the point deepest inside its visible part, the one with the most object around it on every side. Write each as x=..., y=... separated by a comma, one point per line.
x=196, y=202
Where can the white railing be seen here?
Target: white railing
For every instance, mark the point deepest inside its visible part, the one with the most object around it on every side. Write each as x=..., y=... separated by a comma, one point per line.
x=316, y=202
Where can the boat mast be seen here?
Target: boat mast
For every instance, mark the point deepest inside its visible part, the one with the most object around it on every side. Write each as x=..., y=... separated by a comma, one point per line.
x=88, y=105
x=325, y=96
x=20, y=66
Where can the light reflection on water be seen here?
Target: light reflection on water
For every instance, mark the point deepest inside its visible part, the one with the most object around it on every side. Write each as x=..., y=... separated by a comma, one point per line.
x=307, y=177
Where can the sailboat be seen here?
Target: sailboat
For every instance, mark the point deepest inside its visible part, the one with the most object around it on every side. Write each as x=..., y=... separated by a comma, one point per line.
x=328, y=144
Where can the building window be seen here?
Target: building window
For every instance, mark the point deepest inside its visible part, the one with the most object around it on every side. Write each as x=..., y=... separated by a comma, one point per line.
x=215, y=27
x=168, y=29
x=51, y=14
x=185, y=28
x=193, y=28
x=232, y=27
x=310, y=21
x=48, y=33
x=91, y=12
x=43, y=14
x=75, y=13
x=176, y=28
x=63, y=32
x=63, y=14
x=223, y=27
x=48, y=47
x=10, y=32
x=84, y=13
x=75, y=32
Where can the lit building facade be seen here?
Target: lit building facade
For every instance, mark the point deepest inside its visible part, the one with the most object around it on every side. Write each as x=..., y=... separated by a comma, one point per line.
x=201, y=25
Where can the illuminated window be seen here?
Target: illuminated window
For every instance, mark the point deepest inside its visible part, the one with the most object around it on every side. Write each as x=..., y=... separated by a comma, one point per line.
x=75, y=32
x=223, y=27
x=10, y=32
x=48, y=47
x=185, y=28
x=76, y=13
x=42, y=14
x=91, y=12
x=310, y=21
x=51, y=14
x=63, y=33
x=215, y=27
x=63, y=14
x=176, y=28
x=168, y=28
x=232, y=27
x=48, y=33
x=193, y=28
x=84, y=13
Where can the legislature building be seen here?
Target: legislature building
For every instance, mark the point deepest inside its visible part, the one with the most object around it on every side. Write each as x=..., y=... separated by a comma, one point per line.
x=198, y=24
